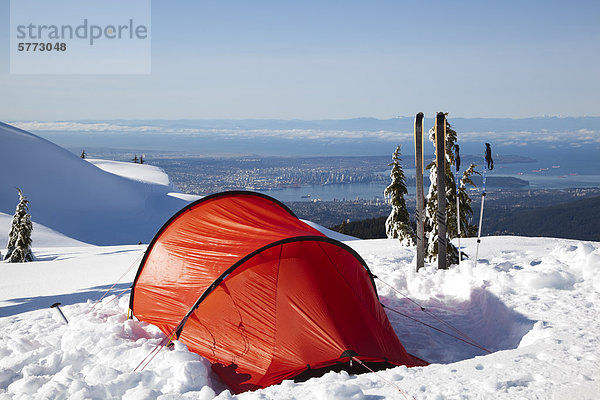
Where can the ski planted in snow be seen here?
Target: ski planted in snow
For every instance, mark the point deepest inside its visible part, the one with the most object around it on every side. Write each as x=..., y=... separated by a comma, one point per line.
x=420, y=209
x=440, y=156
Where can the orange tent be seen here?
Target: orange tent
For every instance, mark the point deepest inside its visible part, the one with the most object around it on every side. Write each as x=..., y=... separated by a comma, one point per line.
x=240, y=280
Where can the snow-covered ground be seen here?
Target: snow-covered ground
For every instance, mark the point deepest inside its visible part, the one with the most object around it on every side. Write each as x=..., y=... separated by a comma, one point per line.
x=137, y=172
x=532, y=302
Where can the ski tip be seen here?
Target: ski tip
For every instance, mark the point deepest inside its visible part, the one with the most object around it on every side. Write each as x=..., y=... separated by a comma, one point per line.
x=419, y=117
x=440, y=118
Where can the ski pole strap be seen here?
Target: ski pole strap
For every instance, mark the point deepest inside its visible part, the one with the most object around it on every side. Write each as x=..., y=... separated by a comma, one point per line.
x=484, y=177
x=457, y=157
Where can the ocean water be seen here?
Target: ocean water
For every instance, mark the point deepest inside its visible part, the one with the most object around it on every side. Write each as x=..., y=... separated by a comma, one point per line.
x=550, y=168
x=374, y=191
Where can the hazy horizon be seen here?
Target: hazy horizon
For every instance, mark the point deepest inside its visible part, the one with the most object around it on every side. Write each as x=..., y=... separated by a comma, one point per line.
x=364, y=136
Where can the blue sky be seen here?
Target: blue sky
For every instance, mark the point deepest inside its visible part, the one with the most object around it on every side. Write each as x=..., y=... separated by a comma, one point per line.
x=336, y=59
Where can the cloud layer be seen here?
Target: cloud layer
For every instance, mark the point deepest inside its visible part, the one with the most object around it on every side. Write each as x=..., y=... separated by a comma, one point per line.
x=572, y=138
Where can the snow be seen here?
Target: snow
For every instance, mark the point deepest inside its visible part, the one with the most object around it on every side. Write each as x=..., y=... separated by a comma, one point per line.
x=41, y=235
x=328, y=232
x=530, y=304
x=76, y=198
x=185, y=196
x=137, y=172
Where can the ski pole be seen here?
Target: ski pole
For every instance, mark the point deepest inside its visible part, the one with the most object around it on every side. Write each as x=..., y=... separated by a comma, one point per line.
x=480, y=217
x=56, y=305
x=487, y=163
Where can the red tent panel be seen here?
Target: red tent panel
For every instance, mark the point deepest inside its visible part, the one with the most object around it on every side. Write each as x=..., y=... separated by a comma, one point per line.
x=200, y=243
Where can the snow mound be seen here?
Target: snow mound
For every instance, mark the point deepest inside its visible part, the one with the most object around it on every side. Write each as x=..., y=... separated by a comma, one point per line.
x=78, y=199
x=185, y=196
x=94, y=356
x=137, y=172
x=457, y=301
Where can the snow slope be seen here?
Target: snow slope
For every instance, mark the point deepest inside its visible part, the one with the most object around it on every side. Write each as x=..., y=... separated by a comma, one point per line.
x=41, y=235
x=532, y=302
x=70, y=195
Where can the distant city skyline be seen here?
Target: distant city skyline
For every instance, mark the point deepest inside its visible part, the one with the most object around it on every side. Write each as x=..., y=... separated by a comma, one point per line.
x=335, y=60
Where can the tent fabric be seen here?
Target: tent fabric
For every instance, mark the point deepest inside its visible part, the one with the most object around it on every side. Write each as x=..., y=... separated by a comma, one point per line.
x=260, y=294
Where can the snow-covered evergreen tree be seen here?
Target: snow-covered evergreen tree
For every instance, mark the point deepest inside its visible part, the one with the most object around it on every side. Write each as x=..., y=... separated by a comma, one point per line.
x=19, y=237
x=431, y=226
x=397, y=225
x=467, y=229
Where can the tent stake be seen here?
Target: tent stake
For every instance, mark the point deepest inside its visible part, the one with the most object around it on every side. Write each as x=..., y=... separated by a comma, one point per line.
x=56, y=305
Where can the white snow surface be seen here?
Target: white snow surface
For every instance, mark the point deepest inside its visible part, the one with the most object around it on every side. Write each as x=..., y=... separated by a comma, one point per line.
x=328, y=232
x=41, y=235
x=532, y=302
x=137, y=172
x=72, y=196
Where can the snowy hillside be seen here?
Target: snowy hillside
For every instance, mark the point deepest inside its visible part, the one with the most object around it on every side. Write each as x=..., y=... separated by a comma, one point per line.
x=127, y=204
x=41, y=236
x=532, y=302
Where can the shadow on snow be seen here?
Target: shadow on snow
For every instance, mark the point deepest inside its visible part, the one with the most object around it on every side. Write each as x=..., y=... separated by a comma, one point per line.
x=25, y=304
x=484, y=318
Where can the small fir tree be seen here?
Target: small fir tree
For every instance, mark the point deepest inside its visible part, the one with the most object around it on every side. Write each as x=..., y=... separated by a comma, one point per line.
x=397, y=225
x=19, y=237
x=83, y=154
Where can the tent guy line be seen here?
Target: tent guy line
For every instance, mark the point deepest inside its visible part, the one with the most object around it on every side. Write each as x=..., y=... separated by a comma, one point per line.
x=424, y=309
